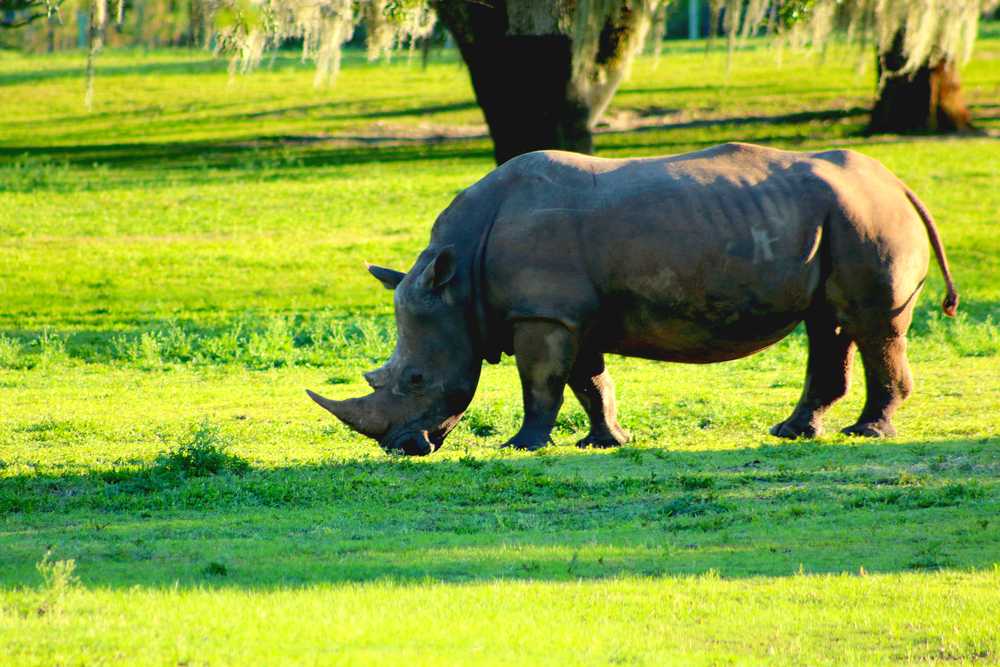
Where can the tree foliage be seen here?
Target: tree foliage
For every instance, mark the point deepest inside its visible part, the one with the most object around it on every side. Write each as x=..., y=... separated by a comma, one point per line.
x=933, y=31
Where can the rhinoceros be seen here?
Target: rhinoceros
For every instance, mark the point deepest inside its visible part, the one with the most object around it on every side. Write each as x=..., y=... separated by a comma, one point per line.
x=558, y=258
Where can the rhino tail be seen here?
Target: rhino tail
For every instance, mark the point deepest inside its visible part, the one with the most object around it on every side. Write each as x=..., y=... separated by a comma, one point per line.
x=950, y=303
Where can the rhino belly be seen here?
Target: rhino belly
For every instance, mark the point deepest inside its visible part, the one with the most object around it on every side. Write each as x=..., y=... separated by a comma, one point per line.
x=687, y=341
x=727, y=322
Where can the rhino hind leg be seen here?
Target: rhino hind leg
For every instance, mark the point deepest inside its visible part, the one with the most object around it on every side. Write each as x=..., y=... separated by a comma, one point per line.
x=593, y=387
x=546, y=353
x=888, y=379
x=828, y=376
x=879, y=329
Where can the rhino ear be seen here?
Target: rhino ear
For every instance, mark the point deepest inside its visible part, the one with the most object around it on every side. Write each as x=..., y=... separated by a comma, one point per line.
x=440, y=269
x=388, y=277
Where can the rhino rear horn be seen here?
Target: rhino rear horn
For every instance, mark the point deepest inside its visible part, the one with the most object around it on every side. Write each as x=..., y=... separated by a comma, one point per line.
x=389, y=278
x=357, y=413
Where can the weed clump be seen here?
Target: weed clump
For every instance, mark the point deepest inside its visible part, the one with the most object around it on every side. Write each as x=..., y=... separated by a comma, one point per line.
x=215, y=569
x=28, y=174
x=51, y=350
x=695, y=482
x=693, y=504
x=481, y=423
x=202, y=454
x=58, y=580
x=10, y=353
x=965, y=335
x=146, y=352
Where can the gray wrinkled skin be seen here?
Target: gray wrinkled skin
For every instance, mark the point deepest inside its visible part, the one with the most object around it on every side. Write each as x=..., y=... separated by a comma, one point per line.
x=559, y=258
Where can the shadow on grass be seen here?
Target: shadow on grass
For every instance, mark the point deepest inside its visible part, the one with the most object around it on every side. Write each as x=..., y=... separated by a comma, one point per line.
x=329, y=106
x=206, y=65
x=275, y=157
x=181, y=64
x=736, y=121
x=766, y=510
x=234, y=155
x=414, y=111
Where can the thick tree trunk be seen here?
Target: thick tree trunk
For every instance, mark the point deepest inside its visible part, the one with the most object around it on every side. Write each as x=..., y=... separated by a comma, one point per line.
x=928, y=100
x=520, y=60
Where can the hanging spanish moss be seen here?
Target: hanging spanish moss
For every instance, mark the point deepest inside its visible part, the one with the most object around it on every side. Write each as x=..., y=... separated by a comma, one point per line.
x=98, y=23
x=607, y=34
x=934, y=30
x=246, y=29
x=658, y=32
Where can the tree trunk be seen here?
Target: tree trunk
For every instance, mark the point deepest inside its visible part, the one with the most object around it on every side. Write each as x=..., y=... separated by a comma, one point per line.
x=520, y=59
x=928, y=100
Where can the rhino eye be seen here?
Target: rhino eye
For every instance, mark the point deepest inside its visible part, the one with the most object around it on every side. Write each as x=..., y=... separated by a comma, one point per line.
x=416, y=378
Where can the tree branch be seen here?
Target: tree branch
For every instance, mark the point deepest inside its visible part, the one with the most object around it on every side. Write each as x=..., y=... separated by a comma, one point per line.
x=10, y=10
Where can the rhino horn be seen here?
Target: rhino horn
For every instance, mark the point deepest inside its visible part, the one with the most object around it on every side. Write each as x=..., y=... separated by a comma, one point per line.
x=356, y=413
x=377, y=378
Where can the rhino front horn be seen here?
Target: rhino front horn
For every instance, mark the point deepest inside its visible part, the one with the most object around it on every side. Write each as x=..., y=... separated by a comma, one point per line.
x=356, y=413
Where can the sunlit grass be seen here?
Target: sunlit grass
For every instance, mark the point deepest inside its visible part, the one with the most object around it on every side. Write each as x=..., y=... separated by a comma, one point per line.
x=841, y=620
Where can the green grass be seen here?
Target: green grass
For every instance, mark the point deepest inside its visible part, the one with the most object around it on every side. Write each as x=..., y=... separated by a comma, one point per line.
x=177, y=265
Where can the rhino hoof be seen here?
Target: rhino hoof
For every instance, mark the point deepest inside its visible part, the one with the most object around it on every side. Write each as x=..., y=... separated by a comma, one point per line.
x=791, y=430
x=528, y=442
x=603, y=440
x=877, y=429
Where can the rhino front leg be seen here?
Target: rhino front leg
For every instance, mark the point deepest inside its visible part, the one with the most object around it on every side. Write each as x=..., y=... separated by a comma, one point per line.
x=546, y=352
x=592, y=384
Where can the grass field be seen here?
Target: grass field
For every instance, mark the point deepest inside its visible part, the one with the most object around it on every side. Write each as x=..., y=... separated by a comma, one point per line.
x=179, y=264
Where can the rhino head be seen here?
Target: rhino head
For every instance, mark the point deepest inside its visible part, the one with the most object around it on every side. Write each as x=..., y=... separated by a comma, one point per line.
x=422, y=391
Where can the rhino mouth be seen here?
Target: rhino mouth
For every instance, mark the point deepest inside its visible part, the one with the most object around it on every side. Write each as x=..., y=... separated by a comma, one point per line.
x=415, y=443
x=437, y=437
